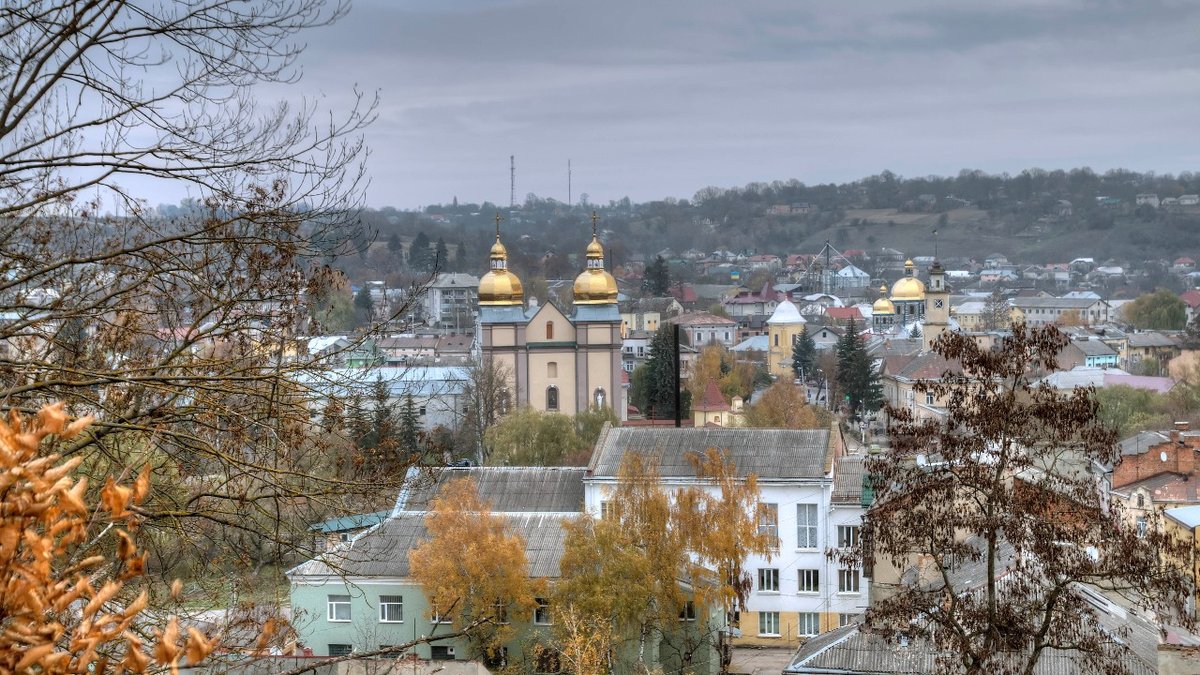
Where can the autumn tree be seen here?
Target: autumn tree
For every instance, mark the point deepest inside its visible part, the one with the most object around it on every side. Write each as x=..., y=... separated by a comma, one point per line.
x=473, y=568
x=1071, y=317
x=68, y=566
x=1160, y=310
x=179, y=329
x=1002, y=483
x=715, y=362
x=783, y=406
x=624, y=574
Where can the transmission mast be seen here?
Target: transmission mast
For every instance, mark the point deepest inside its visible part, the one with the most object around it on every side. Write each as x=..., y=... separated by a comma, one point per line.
x=512, y=182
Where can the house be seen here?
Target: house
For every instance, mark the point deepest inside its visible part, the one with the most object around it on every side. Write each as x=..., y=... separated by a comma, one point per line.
x=826, y=337
x=713, y=409
x=1087, y=352
x=647, y=314
x=1189, y=200
x=328, y=534
x=451, y=301
x=748, y=302
x=1191, y=298
x=1183, y=264
x=1147, y=199
x=701, y=328
x=438, y=392
x=362, y=596
x=797, y=593
x=1045, y=311
x=1156, y=470
x=1148, y=352
x=635, y=349
x=900, y=375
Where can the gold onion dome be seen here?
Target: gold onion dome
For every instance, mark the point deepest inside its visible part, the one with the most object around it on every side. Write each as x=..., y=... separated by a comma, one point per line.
x=883, y=305
x=908, y=288
x=595, y=286
x=499, y=287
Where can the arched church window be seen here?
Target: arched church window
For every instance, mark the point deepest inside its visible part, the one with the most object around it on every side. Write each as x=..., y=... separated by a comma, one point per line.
x=552, y=398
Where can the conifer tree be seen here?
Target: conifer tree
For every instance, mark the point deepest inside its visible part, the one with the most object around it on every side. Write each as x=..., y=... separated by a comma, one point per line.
x=409, y=441
x=804, y=353
x=857, y=374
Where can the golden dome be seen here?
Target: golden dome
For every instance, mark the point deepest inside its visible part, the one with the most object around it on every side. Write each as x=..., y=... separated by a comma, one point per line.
x=908, y=288
x=595, y=286
x=499, y=287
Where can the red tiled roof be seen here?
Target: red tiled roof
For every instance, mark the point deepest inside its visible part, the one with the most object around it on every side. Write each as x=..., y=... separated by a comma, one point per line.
x=1184, y=260
x=712, y=401
x=843, y=313
x=1192, y=298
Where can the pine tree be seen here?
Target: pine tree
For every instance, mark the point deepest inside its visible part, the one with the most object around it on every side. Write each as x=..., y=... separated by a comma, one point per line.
x=420, y=258
x=857, y=375
x=393, y=244
x=441, y=255
x=657, y=280
x=660, y=377
x=409, y=436
x=804, y=353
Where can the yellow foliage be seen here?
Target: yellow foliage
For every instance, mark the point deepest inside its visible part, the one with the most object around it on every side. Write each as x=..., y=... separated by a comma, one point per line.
x=43, y=516
x=782, y=406
x=472, y=567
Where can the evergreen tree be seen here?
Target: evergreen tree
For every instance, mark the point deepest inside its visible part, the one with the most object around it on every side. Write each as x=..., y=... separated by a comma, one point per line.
x=409, y=436
x=657, y=280
x=660, y=377
x=420, y=258
x=914, y=332
x=804, y=353
x=857, y=375
x=441, y=255
x=393, y=244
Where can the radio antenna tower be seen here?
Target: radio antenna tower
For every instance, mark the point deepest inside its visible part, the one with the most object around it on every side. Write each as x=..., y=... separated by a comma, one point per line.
x=512, y=182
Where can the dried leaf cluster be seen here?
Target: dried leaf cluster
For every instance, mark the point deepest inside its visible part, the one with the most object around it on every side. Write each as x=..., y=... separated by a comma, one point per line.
x=61, y=610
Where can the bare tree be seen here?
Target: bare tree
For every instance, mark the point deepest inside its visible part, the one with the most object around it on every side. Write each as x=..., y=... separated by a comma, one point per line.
x=179, y=330
x=1005, y=484
x=488, y=396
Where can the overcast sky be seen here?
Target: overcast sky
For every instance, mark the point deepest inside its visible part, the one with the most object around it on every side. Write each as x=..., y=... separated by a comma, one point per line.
x=654, y=98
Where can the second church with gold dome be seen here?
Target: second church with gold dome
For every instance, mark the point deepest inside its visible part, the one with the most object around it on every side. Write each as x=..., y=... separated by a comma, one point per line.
x=556, y=362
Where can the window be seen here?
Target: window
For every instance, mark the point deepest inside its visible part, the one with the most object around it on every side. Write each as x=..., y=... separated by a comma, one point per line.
x=340, y=650
x=501, y=611
x=809, y=625
x=391, y=609
x=768, y=624
x=768, y=580
x=777, y=339
x=606, y=511
x=806, y=526
x=552, y=369
x=551, y=398
x=549, y=330
x=846, y=619
x=339, y=608
x=1141, y=527
x=1141, y=501
x=810, y=581
x=727, y=336
x=929, y=398
x=847, y=536
x=441, y=653
x=541, y=614
x=847, y=581
x=688, y=612
x=768, y=522
x=436, y=617
x=421, y=411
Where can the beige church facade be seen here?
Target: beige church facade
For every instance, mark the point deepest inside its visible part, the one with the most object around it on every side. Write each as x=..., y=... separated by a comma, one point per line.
x=557, y=362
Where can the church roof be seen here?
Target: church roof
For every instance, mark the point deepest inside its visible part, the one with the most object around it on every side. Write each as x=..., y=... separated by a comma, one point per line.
x=786, y=313
x=712, y=401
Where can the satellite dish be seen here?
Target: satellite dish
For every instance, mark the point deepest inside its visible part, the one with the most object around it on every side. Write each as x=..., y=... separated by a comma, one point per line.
x=1163, y=455
x=921, y=460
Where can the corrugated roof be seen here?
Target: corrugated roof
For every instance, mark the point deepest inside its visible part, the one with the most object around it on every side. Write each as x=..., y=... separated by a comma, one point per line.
x=354, y=522
x=1093, y=348
x=767, y=453
x=1150, y=339
x=848, y=479
x=511, y=489
x=383, y=551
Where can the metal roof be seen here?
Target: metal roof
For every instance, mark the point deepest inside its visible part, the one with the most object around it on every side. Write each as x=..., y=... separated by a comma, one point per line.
x=848, y=480
x=383, y=550
x=355, y=522
x=767, y=453
x=515, y=489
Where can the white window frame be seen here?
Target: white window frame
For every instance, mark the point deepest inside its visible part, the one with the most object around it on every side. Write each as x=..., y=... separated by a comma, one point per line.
x=846, y=619
x=435, y=617
x=333, y=603
x=848, y=535
x=768, y=521
x=688, y=612
x=391, y=601
x=811, y=529
x=849, y=581
x=808, y=624
x=813, y=579
x=765, y=621
x=768, y=580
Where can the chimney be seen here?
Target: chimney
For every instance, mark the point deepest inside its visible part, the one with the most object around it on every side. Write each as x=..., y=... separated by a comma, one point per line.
x=1183, y=426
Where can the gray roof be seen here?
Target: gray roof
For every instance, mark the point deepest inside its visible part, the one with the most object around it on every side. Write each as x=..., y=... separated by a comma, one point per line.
x=1080, y=376
x=848, y=479
x=1150, y=339
x=767, y=453
x=515, y=489
x=383, y=551
x=1093, y=348
x=1142, y=441
x=1055, y=303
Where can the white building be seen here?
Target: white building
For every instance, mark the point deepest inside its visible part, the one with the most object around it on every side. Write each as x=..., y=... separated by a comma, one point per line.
x=799, y=591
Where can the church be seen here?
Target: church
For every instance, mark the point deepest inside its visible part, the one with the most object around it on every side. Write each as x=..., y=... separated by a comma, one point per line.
x=557, y=362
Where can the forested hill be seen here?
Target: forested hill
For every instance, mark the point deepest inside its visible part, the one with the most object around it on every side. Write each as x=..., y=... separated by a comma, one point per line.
x=1034, y=216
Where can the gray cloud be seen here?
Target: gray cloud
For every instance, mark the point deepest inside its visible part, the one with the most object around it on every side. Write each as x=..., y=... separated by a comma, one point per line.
x=662, y=98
